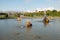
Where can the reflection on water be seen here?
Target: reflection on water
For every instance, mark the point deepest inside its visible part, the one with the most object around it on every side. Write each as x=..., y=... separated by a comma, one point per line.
x=11, y=29
x=28, y=28
x=45, y=24
x=19, y=23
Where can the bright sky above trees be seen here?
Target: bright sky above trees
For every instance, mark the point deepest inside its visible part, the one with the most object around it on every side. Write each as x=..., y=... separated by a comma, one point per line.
x=23, y=5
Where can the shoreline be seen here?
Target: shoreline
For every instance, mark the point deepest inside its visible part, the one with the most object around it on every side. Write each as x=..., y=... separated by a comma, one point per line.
x=32, y=17
x=40, y=17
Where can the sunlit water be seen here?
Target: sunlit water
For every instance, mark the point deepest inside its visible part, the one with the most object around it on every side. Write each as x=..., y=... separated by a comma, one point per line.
x=11, y=29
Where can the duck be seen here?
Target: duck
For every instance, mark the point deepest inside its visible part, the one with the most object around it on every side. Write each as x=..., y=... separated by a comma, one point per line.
x=28, y=24
x=46, y=20
x=18, y=19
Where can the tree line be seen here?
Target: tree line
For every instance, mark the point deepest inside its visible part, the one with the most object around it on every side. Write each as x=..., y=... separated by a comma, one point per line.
x=41, y=13
x=52, y=13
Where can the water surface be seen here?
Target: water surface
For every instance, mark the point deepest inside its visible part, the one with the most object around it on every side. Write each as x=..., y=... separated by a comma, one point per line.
x=11, y=29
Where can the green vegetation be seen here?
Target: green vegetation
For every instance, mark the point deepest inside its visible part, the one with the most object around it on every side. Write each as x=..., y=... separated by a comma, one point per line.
x=53, y=13
x=3, y=15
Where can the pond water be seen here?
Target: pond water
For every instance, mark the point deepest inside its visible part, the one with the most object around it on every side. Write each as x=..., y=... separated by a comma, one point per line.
x=11, y=29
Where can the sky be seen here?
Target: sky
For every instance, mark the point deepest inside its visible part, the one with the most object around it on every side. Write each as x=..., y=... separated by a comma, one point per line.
x=24, y=5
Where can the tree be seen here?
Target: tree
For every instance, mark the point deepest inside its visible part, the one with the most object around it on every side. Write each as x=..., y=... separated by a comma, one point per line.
x=54, y=12
x=48, y=12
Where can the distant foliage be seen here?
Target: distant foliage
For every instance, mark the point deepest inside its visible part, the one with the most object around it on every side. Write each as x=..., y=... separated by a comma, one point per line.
x=41, y=13
x=52, y=13
x=3, y=15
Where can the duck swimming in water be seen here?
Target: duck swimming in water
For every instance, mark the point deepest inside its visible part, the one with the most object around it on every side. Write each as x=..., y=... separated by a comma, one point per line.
x=28, y=24
x=18, y=19
x=46, y=20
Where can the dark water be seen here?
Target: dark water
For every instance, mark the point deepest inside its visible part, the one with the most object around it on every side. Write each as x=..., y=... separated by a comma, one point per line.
x=11, y=29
